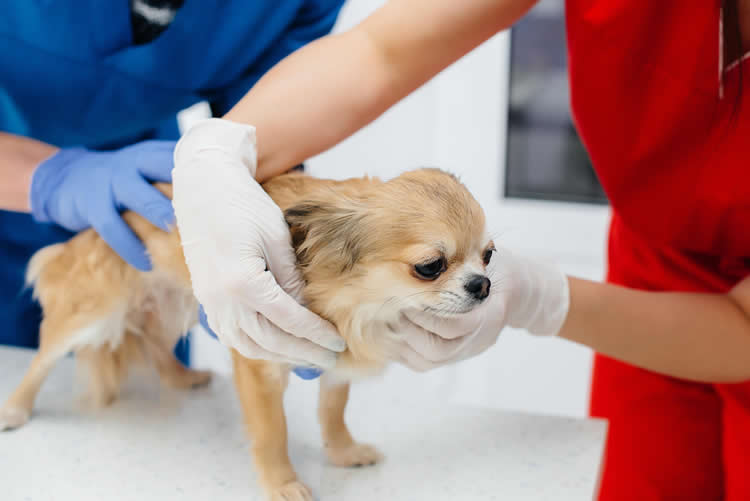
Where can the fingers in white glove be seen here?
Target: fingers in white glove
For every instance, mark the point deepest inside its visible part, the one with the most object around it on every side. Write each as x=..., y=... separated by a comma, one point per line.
x=244, y=344
x=284, y=311
x=447, y=327
x=429, y=345
x=416, y=361
x=432, y=341
x=283, y=266
x=238, y=338
x=284, y=346
x=425, y=351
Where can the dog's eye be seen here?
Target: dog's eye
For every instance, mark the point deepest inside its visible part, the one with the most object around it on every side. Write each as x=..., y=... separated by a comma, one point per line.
x=431, y=270
x=488, y=255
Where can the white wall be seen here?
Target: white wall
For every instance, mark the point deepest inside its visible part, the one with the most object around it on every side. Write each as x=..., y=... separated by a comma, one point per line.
x=457, y=122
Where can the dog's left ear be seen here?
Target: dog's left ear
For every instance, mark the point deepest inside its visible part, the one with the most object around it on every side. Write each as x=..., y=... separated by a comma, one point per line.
x=328, y=232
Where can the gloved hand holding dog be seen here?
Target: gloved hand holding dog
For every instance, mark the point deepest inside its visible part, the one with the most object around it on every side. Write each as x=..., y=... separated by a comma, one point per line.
x=78, y=188
x=526, y=294
x=237, y=247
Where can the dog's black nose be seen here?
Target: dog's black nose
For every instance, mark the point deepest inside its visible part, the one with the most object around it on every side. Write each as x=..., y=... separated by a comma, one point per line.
x=478, y=286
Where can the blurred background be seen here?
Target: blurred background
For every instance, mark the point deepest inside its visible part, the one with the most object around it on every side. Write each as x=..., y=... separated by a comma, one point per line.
x=500, y=119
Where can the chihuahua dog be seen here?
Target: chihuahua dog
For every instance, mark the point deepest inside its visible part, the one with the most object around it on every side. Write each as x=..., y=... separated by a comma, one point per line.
x=368, y=251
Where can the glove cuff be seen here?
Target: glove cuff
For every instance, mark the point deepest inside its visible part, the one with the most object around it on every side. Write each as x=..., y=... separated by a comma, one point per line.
x=47, y=177
x=540, y=297
x=218, y=135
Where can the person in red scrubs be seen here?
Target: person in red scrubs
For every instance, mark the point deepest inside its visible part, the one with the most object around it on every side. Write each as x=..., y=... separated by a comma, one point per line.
x=659, y=95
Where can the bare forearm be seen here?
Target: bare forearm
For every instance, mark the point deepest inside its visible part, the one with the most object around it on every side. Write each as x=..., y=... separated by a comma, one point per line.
x=311, y=101
x=701, y=337
x=19, y=156
x=329, y=89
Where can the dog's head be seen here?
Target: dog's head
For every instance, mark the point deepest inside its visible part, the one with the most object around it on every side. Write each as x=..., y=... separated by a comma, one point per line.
x=371, y=251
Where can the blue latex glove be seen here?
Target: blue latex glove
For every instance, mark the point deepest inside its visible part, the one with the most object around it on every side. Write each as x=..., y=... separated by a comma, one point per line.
x=79, y=188
x=306, y=373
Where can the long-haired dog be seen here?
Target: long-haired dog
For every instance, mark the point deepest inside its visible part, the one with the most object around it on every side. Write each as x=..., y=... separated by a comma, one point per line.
x=368, y=251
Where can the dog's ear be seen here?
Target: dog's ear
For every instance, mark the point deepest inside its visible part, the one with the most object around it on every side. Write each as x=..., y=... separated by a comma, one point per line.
x=328, y=232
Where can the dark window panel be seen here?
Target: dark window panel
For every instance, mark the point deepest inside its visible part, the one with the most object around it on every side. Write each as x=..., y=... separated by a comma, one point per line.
x=545, y=157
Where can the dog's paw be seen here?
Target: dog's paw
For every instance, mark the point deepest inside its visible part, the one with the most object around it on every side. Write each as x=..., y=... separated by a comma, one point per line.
x=13, y=417
x=188, y=379
x=293, y=491
x=354, y=455
x=99, y=398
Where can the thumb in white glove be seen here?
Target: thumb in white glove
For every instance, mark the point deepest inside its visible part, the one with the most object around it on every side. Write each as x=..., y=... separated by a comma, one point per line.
x=237, y=248
x=526, y=294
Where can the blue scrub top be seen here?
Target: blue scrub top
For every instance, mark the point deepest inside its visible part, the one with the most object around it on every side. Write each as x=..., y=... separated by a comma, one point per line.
x=70, y=75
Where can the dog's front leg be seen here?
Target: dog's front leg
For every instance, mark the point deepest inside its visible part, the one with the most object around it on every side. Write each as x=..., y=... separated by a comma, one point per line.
x=260, y=386
x=340, y=447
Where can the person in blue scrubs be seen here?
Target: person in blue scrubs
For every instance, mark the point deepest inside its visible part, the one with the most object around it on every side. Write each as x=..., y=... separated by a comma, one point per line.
x=89, y=93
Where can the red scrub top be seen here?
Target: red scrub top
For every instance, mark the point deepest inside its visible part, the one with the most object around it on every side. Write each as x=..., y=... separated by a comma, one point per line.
x=670, y=143
x=669, y=146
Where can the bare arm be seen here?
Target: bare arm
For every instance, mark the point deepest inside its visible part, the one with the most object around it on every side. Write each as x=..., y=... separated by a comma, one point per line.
x=329, y=89
x=19, y=156
x=700, y=337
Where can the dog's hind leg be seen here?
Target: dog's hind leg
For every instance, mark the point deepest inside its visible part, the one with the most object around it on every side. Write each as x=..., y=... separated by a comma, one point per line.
x=107, y=367
x=17, y=409
x=176, y=375
x=159, y=337
x=53, y=345
x=59, y=334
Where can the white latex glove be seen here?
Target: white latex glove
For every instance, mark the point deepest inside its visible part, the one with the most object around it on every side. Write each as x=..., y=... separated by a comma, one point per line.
x=237, y=248
x=525, y=294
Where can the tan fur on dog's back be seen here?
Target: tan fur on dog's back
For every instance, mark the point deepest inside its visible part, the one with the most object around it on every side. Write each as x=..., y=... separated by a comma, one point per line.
x=97, y=305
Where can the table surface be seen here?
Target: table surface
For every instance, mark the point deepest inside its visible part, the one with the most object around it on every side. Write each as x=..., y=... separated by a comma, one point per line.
x=157, y=444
